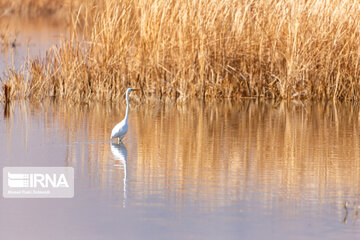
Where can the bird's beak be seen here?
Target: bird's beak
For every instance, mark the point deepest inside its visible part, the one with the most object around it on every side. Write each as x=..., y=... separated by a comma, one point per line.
x=136, y=89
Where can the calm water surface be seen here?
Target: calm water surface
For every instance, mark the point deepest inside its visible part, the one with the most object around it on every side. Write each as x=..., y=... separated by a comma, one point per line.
x=21, y=39
x=219, y=171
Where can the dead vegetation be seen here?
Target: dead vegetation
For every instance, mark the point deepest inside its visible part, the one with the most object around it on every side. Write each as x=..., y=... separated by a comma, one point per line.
x=201, y=49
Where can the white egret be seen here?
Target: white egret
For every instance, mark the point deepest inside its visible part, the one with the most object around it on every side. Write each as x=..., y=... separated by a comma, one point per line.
x=121, y=128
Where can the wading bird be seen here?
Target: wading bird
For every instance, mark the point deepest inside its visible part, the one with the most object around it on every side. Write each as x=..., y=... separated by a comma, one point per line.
x=121, y=128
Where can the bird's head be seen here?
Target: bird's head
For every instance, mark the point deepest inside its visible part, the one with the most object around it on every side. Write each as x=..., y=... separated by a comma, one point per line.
x=129, y=90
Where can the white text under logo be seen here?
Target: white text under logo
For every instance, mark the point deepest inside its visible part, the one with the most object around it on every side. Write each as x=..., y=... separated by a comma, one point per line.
x=38, y=182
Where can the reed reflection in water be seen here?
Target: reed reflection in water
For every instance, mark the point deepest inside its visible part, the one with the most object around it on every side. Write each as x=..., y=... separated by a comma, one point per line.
x=219, y=154
x=296, y=161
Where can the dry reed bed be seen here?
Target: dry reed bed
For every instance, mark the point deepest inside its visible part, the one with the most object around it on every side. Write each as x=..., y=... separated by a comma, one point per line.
x=41, y=8
x=30, y=8
x=203, y=49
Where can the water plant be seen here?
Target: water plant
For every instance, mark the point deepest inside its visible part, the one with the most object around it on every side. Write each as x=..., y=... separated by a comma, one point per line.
x=176, y=50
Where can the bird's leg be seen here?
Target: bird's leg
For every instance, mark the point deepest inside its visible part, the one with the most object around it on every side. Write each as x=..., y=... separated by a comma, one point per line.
x=119, y=140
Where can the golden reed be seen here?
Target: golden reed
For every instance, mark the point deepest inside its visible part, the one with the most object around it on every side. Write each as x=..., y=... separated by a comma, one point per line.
x=205, y=49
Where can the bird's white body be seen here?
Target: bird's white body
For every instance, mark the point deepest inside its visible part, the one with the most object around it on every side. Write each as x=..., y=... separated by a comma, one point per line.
x=121, y=128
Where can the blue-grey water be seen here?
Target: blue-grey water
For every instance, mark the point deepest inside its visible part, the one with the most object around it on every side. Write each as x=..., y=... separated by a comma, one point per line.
x=245, y=170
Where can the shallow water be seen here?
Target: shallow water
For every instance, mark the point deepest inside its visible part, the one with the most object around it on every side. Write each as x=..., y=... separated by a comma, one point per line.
x=249, y=170
x=21, y=39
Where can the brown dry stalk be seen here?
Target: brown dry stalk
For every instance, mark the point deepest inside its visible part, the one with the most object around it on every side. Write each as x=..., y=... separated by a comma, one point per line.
x=203, y=49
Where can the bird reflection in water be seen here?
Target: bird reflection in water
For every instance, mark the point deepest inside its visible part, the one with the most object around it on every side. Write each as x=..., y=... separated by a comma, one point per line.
x=354, y=207
x=120, y=153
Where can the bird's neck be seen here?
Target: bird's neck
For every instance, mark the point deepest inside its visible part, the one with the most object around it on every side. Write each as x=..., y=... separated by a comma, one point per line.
x=127, y=107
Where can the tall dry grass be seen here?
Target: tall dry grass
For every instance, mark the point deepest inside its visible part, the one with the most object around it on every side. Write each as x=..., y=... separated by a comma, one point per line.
x=202, y=49
x=41, y=8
